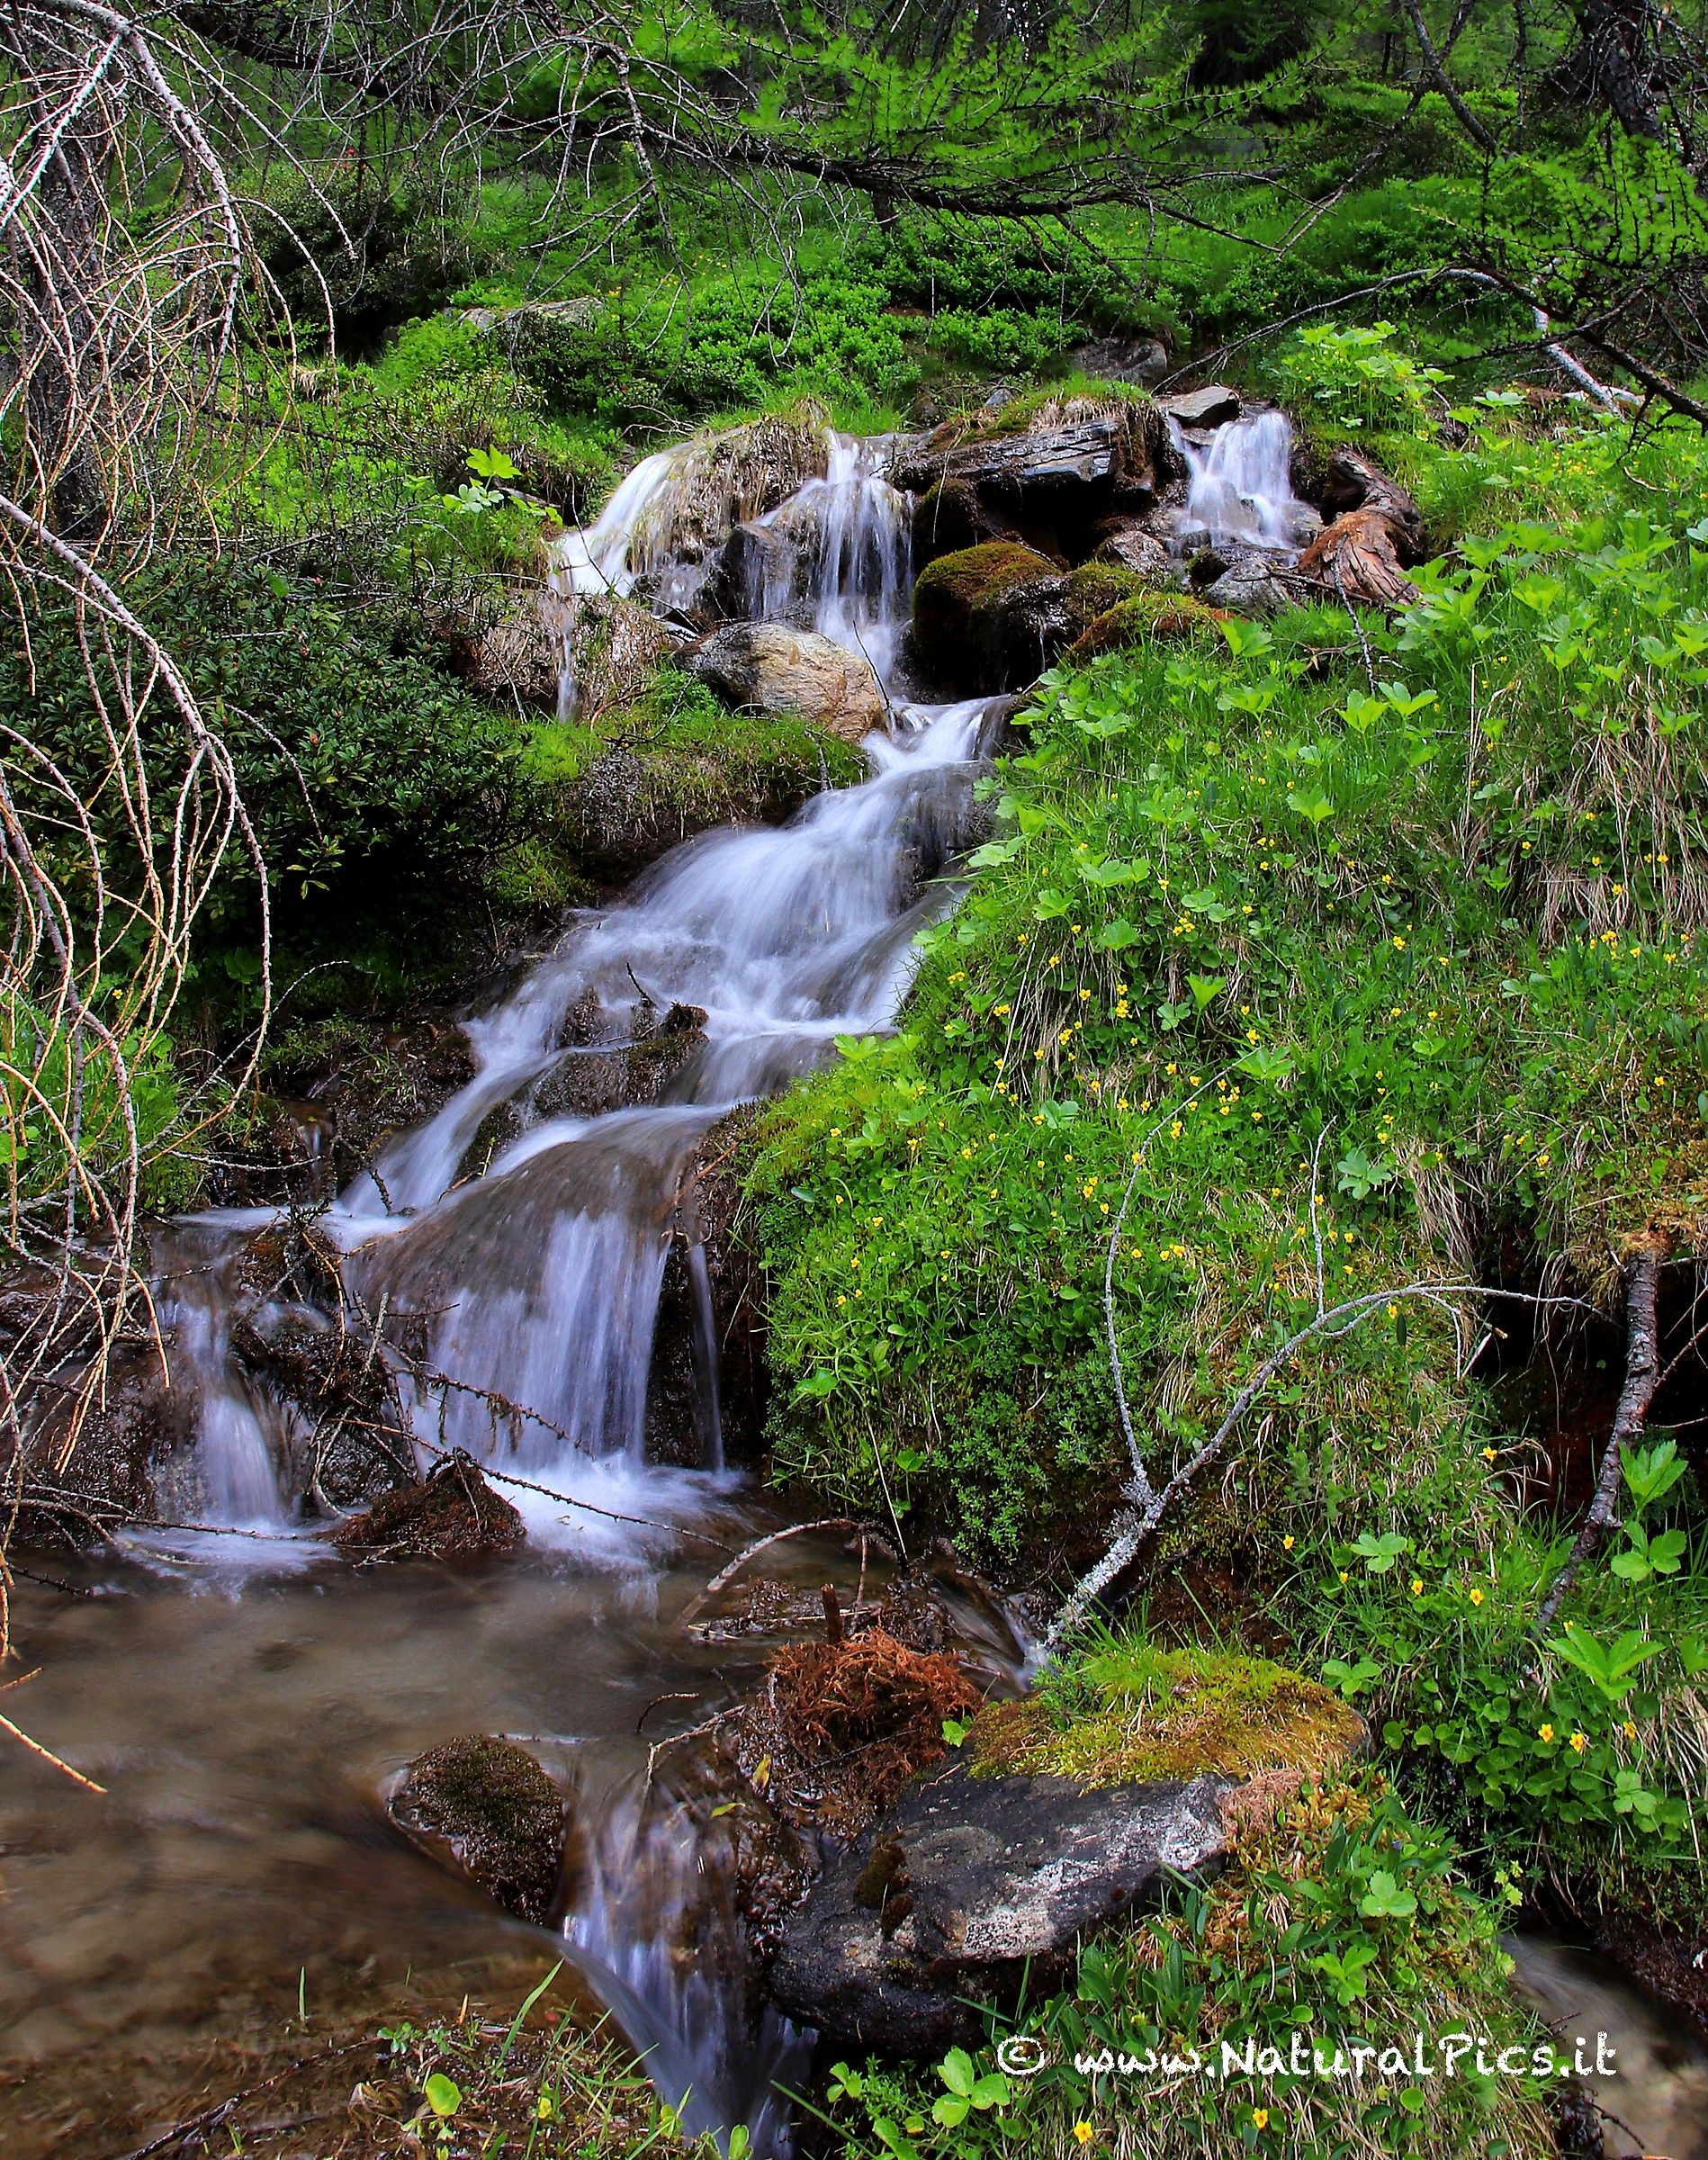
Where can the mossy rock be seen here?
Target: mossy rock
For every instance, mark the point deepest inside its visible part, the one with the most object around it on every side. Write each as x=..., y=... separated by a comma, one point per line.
x=1144, y=1714
x=453, y=1514
x=1142, y=618
x=488, y=1806
x=1094, y=587
x=959, y=600
x=949, y=519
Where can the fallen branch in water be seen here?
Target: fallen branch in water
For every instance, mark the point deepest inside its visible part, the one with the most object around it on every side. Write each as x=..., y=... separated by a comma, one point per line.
x=47, y=1755
x=725, y=1576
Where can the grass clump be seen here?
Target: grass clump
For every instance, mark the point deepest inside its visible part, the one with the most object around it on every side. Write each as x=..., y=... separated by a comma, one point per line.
x=1125, y=1709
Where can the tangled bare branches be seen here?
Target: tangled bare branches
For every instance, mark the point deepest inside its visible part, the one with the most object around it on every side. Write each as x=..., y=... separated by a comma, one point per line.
x=126, y=273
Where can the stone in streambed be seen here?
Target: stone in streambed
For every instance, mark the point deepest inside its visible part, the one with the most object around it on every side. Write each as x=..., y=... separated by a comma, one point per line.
x=967, y=1881
x=453, y=1514
x=486, y=1807
x=777, y=668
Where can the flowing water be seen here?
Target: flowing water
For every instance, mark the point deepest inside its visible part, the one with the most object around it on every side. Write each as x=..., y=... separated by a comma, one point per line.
x=1239, y=485
x=270, y=1688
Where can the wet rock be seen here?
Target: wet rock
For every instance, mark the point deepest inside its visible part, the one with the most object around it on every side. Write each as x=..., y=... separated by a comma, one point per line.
x=588, y=1083
x=1212, y=407
x=726, y=1283
x=720, y=481
x=996, y=616
x=343, y=1088
x=955, y=635
x=967, y=1884
x=1050, y=480
x=488, y=1807
x=639, y=800
x=84, y=1474
x=452, y=1514
x=781, y=670
x=949, y=517
x=1132, y=546
x=357, y=1445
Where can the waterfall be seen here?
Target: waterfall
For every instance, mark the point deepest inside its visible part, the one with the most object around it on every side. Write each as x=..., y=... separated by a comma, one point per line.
x=527, y=1285
x=1240, y=490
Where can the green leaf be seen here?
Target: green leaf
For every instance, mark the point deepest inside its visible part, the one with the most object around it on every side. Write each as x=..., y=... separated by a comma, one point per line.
x=1316, y=805
x=442, y=2095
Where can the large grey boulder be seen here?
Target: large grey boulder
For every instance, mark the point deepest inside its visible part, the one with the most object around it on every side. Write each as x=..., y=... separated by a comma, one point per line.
x=969, y=1881
x=775, y=668
x=486, y=1807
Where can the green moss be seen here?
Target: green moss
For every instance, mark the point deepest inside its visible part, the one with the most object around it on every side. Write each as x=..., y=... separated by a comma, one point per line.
x=1094, y=587
x=1132, y=1711
x=1141, y=618
x=671, y=764
x=973, y=575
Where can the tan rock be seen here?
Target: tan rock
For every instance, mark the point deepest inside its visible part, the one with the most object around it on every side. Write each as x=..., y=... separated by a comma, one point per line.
x=777, y=668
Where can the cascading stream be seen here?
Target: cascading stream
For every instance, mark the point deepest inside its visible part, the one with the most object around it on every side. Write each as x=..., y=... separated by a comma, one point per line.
x=537, y=1278
x=1240, y=488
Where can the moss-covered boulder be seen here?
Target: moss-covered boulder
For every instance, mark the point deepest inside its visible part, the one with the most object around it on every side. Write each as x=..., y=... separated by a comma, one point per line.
x=1164, y=618
x=675, y=763
x=487, y=1808
x=957, y=636
x=1140, y=1765
x=993, y=617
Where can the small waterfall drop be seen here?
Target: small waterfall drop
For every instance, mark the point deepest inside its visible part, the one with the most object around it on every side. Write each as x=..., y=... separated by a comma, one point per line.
x=1240, y=488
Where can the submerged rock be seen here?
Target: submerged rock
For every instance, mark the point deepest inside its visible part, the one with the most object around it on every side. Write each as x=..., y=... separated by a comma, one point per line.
x=967, y=1883
x=453, y=1514
x=781, y=670
x=488, y=1807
